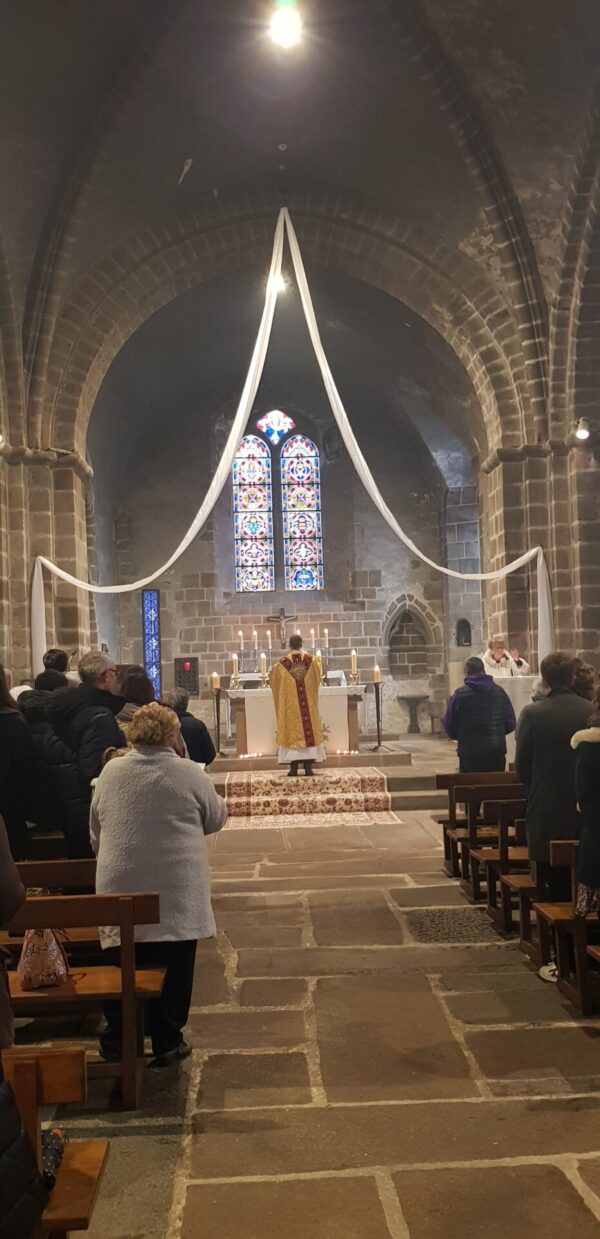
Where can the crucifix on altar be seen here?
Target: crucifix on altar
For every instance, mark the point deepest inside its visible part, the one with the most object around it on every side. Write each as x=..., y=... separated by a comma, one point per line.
x=283, y=620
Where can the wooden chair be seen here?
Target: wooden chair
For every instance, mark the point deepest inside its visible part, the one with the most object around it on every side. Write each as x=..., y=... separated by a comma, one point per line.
x=510, y=854
x=559, y=921
x=48, y=1078
x=453, y=826
x=480, y=832
x=89, y=987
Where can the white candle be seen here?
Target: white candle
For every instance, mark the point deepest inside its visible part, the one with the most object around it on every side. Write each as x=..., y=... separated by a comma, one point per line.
x=255, y=638
x=297, y=632
x=312, y=638
x=236, y=666
x=353, y=662
x=326, y=638
x=241, y=639
x=269, y=643
x=376, y=674
x=215, y=680
x=263, y=664
x=318, y=658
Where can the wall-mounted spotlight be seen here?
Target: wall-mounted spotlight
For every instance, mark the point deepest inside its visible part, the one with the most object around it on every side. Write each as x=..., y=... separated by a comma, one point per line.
x=582, y=429
x=285, y=27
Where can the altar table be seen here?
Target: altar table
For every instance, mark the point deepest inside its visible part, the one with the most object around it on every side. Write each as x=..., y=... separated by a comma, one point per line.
x=254, y=715
x=520, y=689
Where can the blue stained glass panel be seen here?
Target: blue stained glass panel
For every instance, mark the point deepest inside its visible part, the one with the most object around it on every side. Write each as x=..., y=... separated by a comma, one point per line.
x=151, y=637
x=275, y=425
x=253, y=517
x=301, y=501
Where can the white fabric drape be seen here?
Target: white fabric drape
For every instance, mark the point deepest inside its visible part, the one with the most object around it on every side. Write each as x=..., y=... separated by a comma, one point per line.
x=253, y=377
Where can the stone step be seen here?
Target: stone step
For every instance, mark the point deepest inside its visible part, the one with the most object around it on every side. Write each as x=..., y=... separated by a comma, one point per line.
x=424, y=800
x=383, y=757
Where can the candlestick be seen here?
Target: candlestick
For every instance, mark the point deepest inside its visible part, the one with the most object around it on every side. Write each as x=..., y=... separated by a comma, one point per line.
x=215, y=680
x=326, y=638
x=269, y=642
x=320, y=662
x=312, y=638
x=235, y=678
x=298, y=632
x=376, y=674
x=353, y=662
x=263, y=666
x=255, y=638
x=241, y=639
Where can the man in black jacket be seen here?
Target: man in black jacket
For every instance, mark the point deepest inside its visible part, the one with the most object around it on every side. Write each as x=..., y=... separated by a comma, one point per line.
x=83, y=726
x=33, y=705
x=479, y=716
x=195, y=733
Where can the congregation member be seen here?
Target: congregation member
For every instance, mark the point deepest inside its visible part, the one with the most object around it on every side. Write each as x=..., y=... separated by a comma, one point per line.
x=135, y=686
x=545, y=763
x=149, y=820
x=12, y=897
x=34, y=708
x=16, y=772
x=195, y=733
x=295, y=681
x=479, y=717
x=584, y=679
x=586, y=745
x=56, y=660
x=83, y=725
x=498, y=661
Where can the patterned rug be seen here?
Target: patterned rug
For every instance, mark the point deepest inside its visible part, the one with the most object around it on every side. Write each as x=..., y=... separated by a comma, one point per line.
x=290, y=821
x=256, y=793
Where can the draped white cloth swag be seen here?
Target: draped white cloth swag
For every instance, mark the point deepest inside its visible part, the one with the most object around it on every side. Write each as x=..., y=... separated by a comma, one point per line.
x=253, y=377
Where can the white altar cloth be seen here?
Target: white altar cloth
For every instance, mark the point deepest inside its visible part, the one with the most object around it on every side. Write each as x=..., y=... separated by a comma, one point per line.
x=520, y=689
x=261, y=723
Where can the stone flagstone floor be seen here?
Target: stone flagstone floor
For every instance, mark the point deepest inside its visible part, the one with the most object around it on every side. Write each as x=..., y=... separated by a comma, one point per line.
x=370, y=1061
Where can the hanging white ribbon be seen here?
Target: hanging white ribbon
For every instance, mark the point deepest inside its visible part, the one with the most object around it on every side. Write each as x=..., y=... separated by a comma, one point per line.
x=253, y=377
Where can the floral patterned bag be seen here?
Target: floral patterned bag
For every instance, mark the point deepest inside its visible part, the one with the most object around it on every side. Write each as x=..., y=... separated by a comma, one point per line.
x=43, y=962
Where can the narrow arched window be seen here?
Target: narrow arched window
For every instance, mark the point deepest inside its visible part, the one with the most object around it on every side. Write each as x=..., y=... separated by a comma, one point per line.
x=301, y=507
x=253, y=516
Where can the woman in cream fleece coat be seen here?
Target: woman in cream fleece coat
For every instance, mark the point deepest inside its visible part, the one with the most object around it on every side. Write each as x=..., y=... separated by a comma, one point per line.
x=587, y=783
x=149, y=817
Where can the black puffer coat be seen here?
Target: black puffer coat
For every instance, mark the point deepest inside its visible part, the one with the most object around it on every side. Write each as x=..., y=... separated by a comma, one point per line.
x=17, y=780
x=34, y=708
x=83, y=726
x=23, y=1195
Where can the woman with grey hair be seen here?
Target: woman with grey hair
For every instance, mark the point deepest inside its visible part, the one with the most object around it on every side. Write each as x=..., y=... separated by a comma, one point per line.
x=195, y=733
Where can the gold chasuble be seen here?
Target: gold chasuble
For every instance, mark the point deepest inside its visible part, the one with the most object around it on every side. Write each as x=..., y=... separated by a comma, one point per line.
x=295, y=682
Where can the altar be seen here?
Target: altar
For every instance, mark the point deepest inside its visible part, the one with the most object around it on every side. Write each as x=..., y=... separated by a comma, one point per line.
x=253, y=714
x=520, y=689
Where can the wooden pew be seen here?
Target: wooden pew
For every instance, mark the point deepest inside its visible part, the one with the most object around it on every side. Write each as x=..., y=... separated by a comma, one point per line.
x=570, y=933
x=454, y=827
x=73, y=876
x=48, y=1078
x=510, y=854
x=522, y=888
x=481, y=833
x=91, y=986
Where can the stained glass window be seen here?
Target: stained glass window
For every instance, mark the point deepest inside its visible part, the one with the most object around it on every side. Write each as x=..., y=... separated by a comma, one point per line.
x=301, y=500
x=253, y=516
x=275, y=425
x=151, y=637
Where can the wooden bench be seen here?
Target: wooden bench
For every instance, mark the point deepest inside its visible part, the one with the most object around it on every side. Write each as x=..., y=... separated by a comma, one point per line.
x=480, y=832
x=56, y=876
x=511, y=854
x=523, y=890
x=91, y=986
x=452, y=823
x=559, y=921
x=48, y=1078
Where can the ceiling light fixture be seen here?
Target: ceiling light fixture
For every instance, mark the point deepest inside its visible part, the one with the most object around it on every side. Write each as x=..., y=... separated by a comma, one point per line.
x=582, y=429
x=278, y=283
x=285, y=27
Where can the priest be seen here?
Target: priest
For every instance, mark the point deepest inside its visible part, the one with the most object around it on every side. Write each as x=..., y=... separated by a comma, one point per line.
x=295, y=682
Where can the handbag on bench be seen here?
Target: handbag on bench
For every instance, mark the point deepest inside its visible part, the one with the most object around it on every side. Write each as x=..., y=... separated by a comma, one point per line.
x=43, y=961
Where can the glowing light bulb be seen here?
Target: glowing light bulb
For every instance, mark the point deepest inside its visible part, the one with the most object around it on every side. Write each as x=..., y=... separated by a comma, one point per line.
x=582, y=429
x=277, y=283
x=286, y=26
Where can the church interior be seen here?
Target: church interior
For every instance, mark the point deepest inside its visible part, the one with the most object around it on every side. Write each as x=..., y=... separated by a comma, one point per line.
x=300, y=343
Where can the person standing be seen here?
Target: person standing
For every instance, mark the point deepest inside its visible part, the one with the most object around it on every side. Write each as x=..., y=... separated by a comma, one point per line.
x=586, y=745
x=149, y=818
x=136, y=687
x=295, y=681
x=479, y=716
x=84, y=725
x=17, y=772
x=33, y=706
x=195, y=733
x=545, y=763
x=498, y=661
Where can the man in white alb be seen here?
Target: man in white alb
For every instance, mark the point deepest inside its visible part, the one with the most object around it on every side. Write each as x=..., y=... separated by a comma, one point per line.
x=498, y=661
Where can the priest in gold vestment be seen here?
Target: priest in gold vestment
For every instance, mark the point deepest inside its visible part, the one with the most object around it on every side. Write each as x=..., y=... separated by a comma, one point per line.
x=295, y=682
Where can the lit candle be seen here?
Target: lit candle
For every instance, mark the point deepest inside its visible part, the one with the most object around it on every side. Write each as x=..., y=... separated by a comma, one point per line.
x=312, y=638
x=241, y=639
x=318, y=658
x=236, y=666
x=269, y=643
x=263, y=664
x=326, y=638
x=353, y=662
x=297, y=632
x=215, y=680
x=255, y=638
x=376, y=674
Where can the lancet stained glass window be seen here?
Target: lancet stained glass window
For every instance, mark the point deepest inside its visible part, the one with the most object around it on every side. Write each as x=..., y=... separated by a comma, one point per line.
x=151, y=637
x=253, y=516
x=301, y=501
x=275, y=425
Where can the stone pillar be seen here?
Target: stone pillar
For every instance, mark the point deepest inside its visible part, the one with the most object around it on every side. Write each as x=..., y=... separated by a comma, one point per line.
x=584, y=477
x=71, y=606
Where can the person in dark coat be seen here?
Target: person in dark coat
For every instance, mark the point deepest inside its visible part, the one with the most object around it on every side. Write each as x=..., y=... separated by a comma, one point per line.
x=545, y=763
x=479, y=716
x=586, y=745
x=17, y=772
x=195, y=733
x=33, y=705
x=84, y=725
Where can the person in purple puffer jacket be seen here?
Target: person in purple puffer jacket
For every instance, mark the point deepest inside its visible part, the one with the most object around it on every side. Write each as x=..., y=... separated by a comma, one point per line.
x=480, y=717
